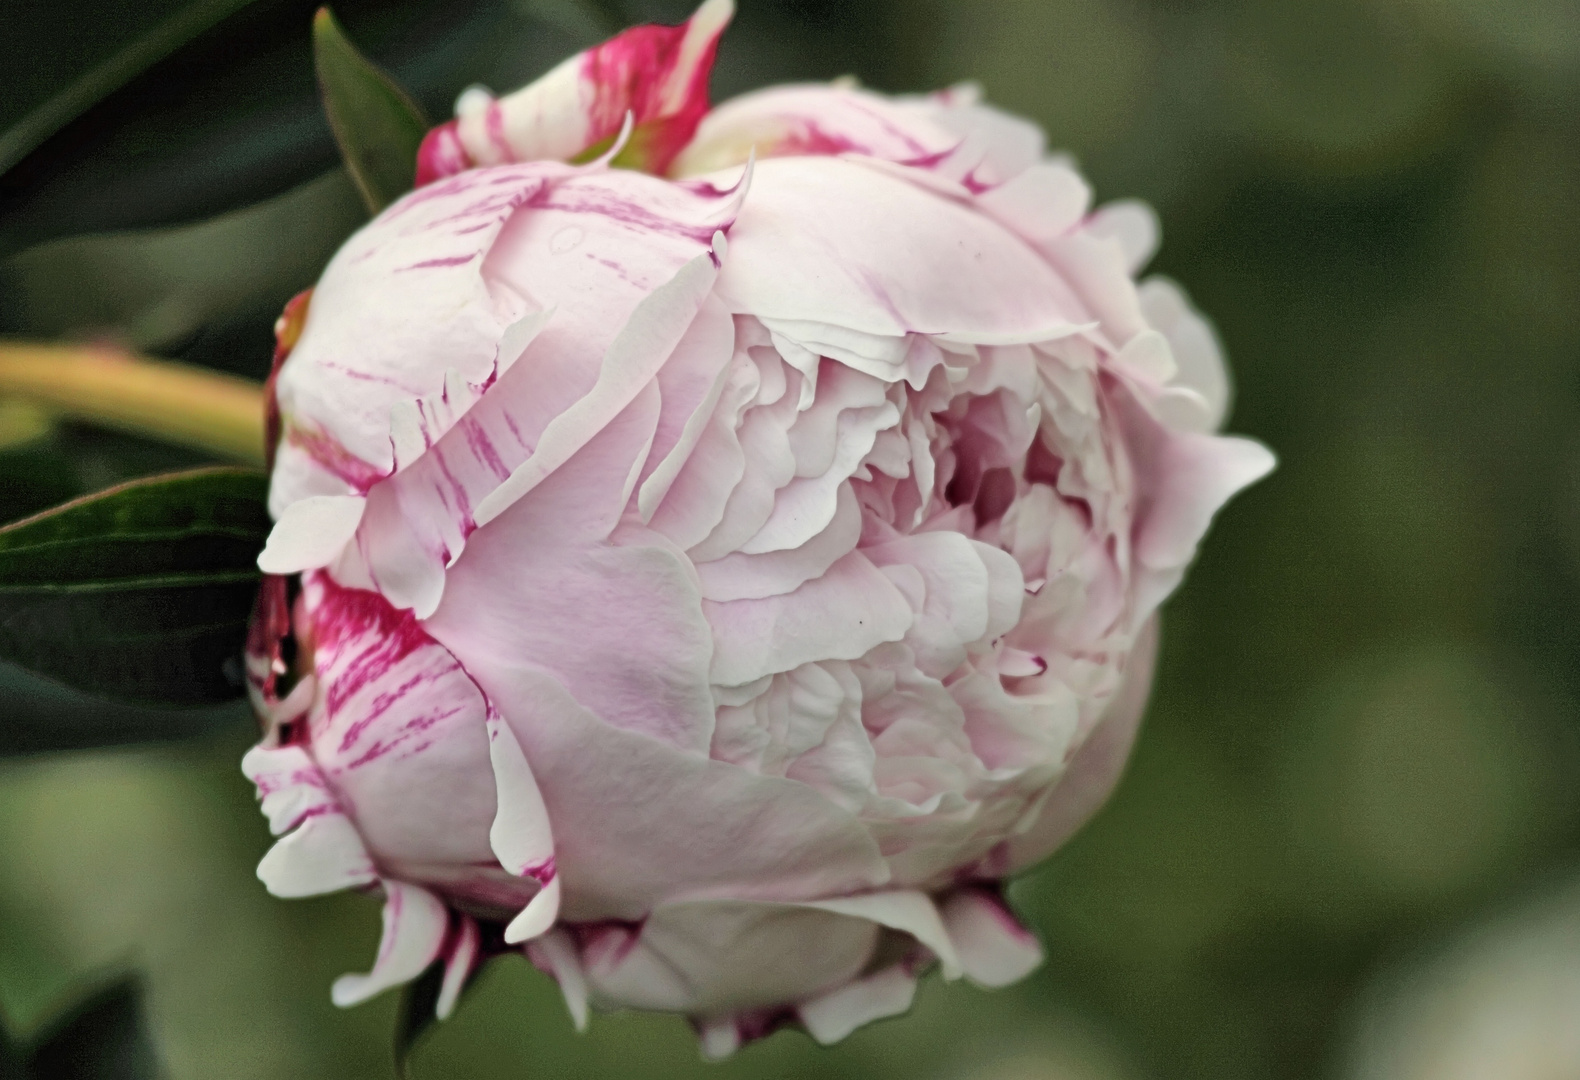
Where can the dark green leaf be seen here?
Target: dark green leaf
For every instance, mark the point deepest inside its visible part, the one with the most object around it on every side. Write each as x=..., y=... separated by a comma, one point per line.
x=22, y=138
x=101, y=1038
x=416, y=1015
x=13, y=1066
x=140, y=592
x=377, y=126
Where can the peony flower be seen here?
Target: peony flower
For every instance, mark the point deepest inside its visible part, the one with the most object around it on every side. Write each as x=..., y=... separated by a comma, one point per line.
x=717, y=579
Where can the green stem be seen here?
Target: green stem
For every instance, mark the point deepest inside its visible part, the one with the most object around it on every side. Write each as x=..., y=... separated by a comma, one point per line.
x=173, y=402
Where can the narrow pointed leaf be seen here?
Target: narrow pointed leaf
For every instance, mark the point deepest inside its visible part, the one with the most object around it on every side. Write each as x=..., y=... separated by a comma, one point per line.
x=140, y=592
x=377, y=126
x=417, y=1003
x=103, y=1037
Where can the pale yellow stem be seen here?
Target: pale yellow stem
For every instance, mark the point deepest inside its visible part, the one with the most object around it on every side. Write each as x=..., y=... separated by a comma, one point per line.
x=168, y=401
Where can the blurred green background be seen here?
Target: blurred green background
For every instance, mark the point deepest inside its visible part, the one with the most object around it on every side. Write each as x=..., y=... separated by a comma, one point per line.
x=1349, y=842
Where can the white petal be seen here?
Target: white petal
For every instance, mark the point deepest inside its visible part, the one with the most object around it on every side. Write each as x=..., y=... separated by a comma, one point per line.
x=290, y=785
x=1042, y=203
x=831, y=1017
x=719, y=1038
x=1134, y=224
x=906, y=910
x=458, y=966
x=415, y=921
x=521, y=836
x=995, y=950
x=310, y=533
x=537, y=918
x=325, y=855
x=556, y=951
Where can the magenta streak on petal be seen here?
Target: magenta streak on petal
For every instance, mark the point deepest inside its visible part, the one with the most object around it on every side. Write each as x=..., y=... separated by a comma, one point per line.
x=429, y=264
x=344, y=614
x=408, y=731
x=361, y=376
x=542, y=872
x=482, y=447
x=335, y=458
x=387, y=945
x=494, y=125
x=441, y=154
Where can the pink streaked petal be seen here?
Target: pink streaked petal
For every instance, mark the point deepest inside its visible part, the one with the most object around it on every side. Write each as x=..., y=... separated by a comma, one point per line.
x=999, y=144
x=406, y=288
x=415, y=922
x=465, y=947
x=632, y=361
x=617, y=621
x=831, y=1016
x=398, y=729
x=290, y=787
x=657, y=74
x=592, y=250
x=995, y=949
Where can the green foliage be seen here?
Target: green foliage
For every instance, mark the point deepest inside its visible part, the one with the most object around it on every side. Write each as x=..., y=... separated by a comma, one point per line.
x=377, y=126
x=101, y=1037
x=140, y=592
x=416, y=1014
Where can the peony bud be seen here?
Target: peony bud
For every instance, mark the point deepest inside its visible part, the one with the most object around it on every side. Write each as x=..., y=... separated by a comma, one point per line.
x=717, y=583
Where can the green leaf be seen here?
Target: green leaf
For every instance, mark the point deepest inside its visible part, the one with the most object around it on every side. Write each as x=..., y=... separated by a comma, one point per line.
x=100, y=1038
x=140, y=592
x=378, y=127
x=416, y=1014
x=133, y=59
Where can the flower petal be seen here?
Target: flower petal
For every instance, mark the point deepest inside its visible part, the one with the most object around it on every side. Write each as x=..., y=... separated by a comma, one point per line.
x=415, y=921
x=555, y=952
x=458, y=966
x=726, y=831
x=830, y=1017
x=658, y=74
x=311, y=533
x=838, y=616
x=906, y=910
x=323, y=855
x=399, y=731
x=829, y=241
x=1092, y=773
x=995, y=950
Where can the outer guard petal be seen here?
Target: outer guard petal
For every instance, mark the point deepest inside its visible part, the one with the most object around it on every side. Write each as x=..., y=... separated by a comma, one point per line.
x=830, y=1017
x=657, y=74
x=415, y=922
x=324, y=855
x=995, y=950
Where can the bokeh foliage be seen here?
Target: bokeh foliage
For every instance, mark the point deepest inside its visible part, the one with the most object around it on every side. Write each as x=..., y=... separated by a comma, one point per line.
x=1364, y=735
